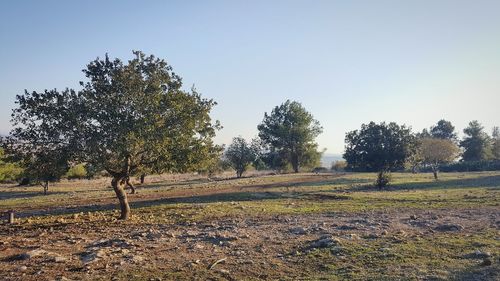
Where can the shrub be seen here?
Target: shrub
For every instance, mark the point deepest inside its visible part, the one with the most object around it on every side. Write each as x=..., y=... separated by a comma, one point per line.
x=339, y=165
x=77, y=172
x=10, y=172
x=472, y=166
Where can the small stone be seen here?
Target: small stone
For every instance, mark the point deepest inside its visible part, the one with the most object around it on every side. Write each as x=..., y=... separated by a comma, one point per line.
x=449, y=227
x=486, y=262
x=59, y=259
x=298, y=231
x=22, y=268
x=32, y=254
x=413, y=217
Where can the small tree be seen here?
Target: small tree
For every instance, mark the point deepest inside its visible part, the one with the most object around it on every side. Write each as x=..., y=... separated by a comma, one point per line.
x=128, y=117
x=240, y=155
x=476, y=144
x=43, y=167
x=290, y=132
x=378, y=148
x=436, y=152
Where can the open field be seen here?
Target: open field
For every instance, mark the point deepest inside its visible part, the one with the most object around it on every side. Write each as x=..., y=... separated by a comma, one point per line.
x=281, y=227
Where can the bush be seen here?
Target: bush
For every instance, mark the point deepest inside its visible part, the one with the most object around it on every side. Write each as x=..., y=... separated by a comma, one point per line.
x=77, y=172
x=318, y=170
x=471, y=166
x=339, y=166
x=10, y=172
x=383, y=179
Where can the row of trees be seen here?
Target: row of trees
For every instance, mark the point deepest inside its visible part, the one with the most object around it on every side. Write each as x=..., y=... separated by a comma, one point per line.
x=386, y=147
x=286, y=139
x=133, y=118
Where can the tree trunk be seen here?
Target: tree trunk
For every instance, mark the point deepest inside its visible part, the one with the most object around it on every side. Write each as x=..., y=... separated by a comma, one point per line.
x=117, y=184
x=435, y=173
x=295, y=163
x=132, y=187
x=142, y=178
x=45, y=187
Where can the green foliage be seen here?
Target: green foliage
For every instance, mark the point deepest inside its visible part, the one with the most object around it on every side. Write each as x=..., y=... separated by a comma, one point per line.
x=378, y=148
x=444, y=130
x=476, y=144
x=9, y=172
x=128, y=117
x=288, y=134
x=76, y=172
x=240, y=155
x=471, y=166
x=436, y=152
x=383, y=179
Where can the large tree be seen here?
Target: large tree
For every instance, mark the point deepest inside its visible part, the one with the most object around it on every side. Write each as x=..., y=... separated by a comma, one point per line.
x=476, y=143
x=444, y=130
x=379, y=148
x=128, y=117
x=289, y=132
x=436, y=151
x=240, y=154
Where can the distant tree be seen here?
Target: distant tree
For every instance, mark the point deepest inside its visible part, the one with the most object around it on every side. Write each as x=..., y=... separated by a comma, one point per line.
x=415, y=158
x=76, y=172
x=43, y=166
x=379, y=148
x=424, y=134
x=339, y=165
x=240, y=155
x=444, y=130
x=10, y=171
x=128, y=117
x=290, y=132
x=436, y=152
x=496, y=143
x=476, y=143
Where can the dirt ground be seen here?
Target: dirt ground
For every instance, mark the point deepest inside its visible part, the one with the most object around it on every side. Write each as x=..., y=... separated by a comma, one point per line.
x=295, y=227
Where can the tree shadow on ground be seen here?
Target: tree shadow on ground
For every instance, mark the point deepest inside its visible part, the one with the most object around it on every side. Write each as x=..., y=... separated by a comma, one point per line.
x=4, y=195
x=209, y=198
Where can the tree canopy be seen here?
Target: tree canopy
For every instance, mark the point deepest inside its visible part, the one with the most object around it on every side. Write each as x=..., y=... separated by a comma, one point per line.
x=127, y=117
x=289, y=133
x=240, y=155
x=378, y=148
x=444, y=130
x=476, y=143
x=436, y=151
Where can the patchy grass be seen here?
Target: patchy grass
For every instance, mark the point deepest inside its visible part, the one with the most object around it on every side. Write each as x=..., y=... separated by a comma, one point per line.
x=389, y=234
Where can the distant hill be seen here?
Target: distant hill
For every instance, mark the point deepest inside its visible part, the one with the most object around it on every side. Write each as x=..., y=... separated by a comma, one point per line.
x=328, y=158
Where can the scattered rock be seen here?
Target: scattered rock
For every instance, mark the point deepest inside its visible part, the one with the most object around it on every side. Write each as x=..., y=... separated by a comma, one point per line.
x=298, y=231
x=449, y=227
x=59, y=259
x=22, y=268
x=325, y=242
x=486, y=262
x=31, y=254
x=477, y=254
x=413, y=217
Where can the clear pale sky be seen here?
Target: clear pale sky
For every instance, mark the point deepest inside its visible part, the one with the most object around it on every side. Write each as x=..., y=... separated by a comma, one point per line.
x=347, y=62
